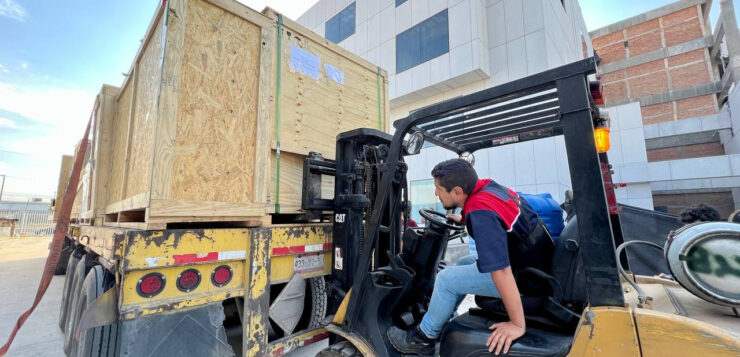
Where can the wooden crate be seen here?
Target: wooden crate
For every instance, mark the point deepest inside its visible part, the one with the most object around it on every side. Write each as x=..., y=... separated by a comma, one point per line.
x=195, y=134
x=64, y=170
x=92, y=190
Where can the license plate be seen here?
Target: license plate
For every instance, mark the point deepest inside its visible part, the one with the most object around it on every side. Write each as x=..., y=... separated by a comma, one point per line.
x=308, y=263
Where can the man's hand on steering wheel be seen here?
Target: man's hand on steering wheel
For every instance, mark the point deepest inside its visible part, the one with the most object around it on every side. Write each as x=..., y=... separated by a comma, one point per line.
x=454, y=218
x=441, y=220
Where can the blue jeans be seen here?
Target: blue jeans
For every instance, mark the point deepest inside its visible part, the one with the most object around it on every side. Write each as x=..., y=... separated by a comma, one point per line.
x=450, y=288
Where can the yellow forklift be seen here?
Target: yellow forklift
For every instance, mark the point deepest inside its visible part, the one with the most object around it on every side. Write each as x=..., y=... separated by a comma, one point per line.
x=383, y=273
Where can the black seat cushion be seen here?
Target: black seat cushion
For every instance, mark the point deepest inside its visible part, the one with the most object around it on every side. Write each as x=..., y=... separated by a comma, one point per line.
x=466, y=335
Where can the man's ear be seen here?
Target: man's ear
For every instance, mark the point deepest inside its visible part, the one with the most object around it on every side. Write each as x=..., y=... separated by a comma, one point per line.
x=458, y=190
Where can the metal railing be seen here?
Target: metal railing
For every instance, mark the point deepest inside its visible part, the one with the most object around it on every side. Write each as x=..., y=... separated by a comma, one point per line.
x=28, y=223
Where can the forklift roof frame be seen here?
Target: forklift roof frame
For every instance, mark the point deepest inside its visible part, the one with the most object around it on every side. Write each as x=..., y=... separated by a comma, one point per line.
x=554, y=102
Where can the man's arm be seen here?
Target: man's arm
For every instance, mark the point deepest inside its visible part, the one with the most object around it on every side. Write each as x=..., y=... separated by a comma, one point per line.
x=504, y=333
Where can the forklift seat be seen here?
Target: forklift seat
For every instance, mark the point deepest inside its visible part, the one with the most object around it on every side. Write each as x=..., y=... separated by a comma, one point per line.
x=466, y=335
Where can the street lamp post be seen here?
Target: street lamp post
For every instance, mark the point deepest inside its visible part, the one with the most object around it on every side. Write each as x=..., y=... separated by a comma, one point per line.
x=2, y=186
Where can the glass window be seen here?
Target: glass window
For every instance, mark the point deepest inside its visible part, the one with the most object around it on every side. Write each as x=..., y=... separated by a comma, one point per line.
x=342, y=25
x=408, y=49
x=423, y=42
x=399, y=2
x=421, y=195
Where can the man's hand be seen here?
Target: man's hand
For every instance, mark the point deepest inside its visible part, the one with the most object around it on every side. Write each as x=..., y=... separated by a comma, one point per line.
x=454, y=217
x=504, y=333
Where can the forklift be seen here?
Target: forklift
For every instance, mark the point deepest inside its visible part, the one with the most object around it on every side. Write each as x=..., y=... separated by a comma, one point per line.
x=383, y=272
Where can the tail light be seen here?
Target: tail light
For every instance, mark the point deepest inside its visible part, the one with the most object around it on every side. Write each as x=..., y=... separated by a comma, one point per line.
x=188, y=280
x=150, y=285
x=222, y=275
x=597, y=92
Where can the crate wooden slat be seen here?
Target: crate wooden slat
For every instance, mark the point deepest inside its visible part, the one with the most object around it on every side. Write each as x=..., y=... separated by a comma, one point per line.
x=64, y=170
x=194, y=133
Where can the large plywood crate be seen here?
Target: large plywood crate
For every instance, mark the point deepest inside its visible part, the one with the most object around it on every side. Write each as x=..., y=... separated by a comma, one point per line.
x=213, y=94
x=91, y=199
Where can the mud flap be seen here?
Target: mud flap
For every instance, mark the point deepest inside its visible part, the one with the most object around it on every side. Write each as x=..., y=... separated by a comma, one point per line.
x=192, y=332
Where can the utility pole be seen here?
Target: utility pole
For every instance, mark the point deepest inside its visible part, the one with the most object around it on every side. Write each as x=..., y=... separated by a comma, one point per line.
x=2, y=186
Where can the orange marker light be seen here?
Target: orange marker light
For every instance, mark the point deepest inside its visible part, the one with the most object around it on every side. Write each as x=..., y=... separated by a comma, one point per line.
x=601, y=134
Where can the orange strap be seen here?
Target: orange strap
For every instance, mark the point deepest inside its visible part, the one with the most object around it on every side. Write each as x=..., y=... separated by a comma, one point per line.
x=57, y=242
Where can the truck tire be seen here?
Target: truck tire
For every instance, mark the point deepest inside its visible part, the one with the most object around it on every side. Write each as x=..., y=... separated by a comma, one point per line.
x=67, y=250
x=340, y=349
x=100, y=341
x=315, y=303
x=66, y=291
x=70, y=325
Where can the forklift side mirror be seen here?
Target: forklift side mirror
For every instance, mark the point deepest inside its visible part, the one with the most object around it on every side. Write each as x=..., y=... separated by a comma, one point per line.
x=414, y=144
x=467, y=156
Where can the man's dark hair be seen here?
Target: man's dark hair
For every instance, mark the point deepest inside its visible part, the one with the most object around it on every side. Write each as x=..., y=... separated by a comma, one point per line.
x=456, y=172
x=701, y=213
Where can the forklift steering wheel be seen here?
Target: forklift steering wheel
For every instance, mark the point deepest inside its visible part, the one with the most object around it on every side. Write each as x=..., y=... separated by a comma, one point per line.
x=440, y=220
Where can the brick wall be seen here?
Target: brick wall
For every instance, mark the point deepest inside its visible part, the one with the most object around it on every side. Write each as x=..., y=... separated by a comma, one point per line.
x=673, y=73
x=686, y=151
x=675, y=203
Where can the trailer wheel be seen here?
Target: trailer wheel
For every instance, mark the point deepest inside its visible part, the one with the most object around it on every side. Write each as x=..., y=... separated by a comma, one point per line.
x=340, y=349
x=67, y=290
x=70, y=325
x=67, y=250
x=315, y=303
x=100, y=341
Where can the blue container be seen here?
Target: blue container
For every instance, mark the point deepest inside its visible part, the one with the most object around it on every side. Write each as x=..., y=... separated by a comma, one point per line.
x=549, y=211
x=547, y=208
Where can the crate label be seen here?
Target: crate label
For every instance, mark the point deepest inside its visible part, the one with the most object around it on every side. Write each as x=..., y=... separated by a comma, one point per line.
x=308, y=262
x=304, y=62
x=334, y=73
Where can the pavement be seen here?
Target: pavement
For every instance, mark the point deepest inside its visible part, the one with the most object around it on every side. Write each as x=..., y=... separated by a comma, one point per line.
x=21, y=264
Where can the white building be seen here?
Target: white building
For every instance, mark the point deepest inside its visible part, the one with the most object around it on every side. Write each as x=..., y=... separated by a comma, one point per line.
x=435, y=50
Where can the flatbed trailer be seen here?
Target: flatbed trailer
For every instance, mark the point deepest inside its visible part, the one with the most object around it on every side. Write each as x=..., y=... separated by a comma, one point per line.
x=260, y=260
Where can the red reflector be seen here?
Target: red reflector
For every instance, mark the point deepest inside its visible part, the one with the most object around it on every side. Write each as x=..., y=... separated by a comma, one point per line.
x=150, y=285
x=597, y=92
x=188, y=280
x=221, y=275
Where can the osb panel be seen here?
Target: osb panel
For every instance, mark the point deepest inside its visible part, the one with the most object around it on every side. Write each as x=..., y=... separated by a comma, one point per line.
x=291, y=183
x=104, y=139
x=315, y=111
x=145, y=113
x=64, y=171
x=120, y=134
x=213, y=154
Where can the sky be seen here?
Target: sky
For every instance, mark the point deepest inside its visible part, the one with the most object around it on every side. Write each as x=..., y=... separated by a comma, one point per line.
x=56, y=55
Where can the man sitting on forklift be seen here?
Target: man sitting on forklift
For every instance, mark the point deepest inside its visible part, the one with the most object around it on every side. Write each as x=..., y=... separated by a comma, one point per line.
x=509, y=236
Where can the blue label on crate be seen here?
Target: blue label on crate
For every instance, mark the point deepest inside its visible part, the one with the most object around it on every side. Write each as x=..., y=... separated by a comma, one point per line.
x=334, y=73
x=304, y=62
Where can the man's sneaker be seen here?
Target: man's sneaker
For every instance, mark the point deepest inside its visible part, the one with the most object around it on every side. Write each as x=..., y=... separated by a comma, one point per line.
x=411, y=341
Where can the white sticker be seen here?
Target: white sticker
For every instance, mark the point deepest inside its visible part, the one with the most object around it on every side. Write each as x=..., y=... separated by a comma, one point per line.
x=334, y=73
x=337, y=258
x=304, y=62
x=307, y=263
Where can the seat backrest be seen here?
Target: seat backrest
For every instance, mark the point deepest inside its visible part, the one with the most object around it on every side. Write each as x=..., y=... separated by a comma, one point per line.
x=567, y=266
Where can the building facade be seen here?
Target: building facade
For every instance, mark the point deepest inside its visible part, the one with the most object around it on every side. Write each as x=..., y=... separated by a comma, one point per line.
x=670, y=62
x=436, y=50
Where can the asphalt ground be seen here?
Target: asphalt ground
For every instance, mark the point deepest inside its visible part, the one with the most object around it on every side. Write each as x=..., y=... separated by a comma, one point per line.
x=21, y=264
